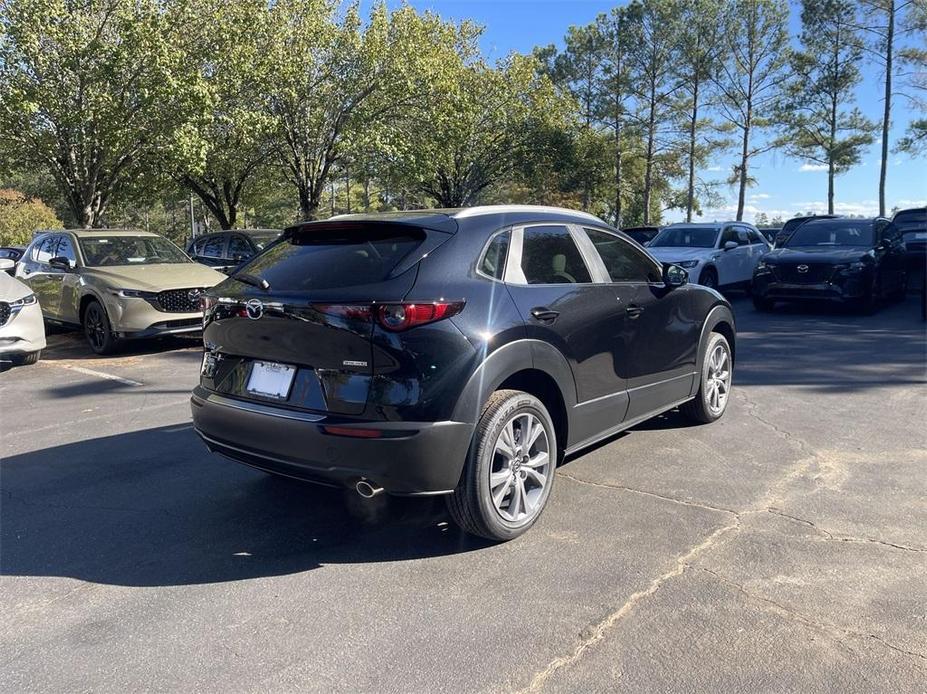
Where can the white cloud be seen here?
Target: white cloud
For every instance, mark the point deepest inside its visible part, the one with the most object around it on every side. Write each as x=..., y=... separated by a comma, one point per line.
x=760, y=196
x=713, y=168
x=813, y=167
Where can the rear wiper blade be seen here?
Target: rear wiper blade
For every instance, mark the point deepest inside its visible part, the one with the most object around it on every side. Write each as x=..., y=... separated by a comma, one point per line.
x=253, y=280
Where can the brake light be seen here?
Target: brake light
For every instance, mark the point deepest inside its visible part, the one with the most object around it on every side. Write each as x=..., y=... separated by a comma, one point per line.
x=353, y=432
x=399, y=317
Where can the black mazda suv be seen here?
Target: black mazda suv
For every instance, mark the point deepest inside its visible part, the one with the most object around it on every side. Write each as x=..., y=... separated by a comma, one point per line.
x=854, y=261
x=453, y=352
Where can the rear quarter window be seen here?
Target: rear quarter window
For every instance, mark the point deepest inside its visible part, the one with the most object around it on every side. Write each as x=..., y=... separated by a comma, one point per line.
x=335, y=257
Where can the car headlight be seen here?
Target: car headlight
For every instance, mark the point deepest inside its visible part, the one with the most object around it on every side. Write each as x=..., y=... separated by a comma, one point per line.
x=687, y=264
x=27, y=300
x=133, y=293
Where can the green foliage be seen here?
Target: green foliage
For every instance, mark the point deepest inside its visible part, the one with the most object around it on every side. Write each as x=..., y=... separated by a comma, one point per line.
x=818, y=126
x=21, y=215
x=95, y=92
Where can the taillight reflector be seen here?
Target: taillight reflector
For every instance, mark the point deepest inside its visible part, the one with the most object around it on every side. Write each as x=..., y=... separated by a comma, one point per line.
x=351, y=431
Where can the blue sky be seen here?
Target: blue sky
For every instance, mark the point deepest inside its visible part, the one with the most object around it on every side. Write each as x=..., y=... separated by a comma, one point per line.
x=784, y=186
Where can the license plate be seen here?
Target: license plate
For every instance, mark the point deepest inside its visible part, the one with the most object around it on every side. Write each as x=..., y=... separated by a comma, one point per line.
x=270, y=379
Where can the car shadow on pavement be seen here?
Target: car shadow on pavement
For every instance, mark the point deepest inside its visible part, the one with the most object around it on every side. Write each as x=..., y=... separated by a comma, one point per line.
x=152, y=507
x=830, y=349
x=64, y=344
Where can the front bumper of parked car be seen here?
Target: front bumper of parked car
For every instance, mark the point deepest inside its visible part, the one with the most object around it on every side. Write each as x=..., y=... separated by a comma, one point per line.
x=838, y=284
x=404, y=458
x=23, y=332
x=133, y=317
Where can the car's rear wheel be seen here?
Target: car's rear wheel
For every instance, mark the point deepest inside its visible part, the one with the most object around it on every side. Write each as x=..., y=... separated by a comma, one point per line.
x=715, y=376
x=708, y=278
x=510, y=468
x=97, y=329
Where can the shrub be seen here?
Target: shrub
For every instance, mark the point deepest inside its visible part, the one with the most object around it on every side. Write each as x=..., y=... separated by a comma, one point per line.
x=20, y=215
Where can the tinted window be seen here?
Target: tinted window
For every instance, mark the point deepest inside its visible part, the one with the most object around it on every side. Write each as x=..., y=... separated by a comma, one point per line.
x=262, y=238
x=686, y=237
x=911, y=220
x=743, y=239
x=44, y=250
x=335, y=257
x=211, y=247
x=66, y=249
x=729, y=234
x=104, y=251
x=623, y=262
x=754, y=237
x=493, y=263
x=239, y=247
x=832, y=232
x=549, y=256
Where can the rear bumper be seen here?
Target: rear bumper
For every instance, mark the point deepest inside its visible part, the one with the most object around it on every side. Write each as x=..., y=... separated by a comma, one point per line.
x=412, y=458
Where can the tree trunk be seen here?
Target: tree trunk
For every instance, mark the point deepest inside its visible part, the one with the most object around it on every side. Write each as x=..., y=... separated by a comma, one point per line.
x=648, y=165
x=690, y=197
x=618, y=172
x=887, y=112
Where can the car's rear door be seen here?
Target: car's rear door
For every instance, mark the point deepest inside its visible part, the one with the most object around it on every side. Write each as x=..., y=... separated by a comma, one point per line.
x=42, y=278
x=564, y=304
x=69, y=294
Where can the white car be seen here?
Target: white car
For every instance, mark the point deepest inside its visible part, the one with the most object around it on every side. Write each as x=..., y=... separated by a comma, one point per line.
x=22, y=332
x=717, y=255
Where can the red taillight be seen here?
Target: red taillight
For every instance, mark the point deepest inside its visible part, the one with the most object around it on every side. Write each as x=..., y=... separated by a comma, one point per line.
x=352, y=311
x=353, y=432
x=399, y=317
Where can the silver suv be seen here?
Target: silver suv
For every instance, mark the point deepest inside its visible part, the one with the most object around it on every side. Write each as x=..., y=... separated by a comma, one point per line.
x=115, y=284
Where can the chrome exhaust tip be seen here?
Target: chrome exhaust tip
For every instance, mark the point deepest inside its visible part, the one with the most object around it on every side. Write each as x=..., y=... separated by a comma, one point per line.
x=367, y=490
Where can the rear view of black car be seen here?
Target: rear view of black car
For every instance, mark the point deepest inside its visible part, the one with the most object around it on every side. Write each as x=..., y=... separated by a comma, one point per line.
x=856, y=261
x=459, y=353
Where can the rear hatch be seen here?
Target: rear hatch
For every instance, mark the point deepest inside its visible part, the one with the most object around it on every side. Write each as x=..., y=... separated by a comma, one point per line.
x=303, y=338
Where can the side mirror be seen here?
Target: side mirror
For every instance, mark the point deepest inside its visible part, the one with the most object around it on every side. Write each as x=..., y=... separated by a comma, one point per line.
x=60, y=263
x=730, y=245
x=6, y=264
x=675, y=276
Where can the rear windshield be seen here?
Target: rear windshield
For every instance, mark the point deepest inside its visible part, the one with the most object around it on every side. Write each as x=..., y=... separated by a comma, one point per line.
x=329, y=258
x=911, y=220
x=833, y=232
x=686, y=237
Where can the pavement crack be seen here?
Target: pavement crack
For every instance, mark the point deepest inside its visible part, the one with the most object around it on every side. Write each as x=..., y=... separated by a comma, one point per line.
x=752, y=410
x=597, y=632
x=836, y=632
x=844, y=538
x=643, y=492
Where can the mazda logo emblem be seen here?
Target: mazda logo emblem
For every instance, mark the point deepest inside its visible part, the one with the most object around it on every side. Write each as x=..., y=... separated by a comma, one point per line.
x=194, y=295
x=802, y=268
x=254, y=308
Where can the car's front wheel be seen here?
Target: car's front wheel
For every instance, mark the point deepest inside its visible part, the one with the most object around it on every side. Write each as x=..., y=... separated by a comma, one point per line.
x=709, y=278
x=715, y=376
x=510, y=468
x=97, y=329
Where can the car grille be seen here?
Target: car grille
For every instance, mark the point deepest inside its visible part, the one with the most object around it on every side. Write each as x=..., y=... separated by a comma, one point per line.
x=179, y=301
x=816, y=273
x=4, y=312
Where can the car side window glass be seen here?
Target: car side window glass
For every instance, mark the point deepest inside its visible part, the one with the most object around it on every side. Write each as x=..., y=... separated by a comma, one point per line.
x=549, y=256
x=742, y=238
x=45, y=249
x=623, y=262
x=754, y=236
x=212, y=247
x=493, y=262
x=66, y=250
x=729, y=234
x=239, y=247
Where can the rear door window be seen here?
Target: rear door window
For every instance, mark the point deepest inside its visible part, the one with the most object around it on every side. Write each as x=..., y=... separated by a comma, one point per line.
x=334, y=257
x=45, y=249
x=550, y=256
x=211, y=247
x=239, y=247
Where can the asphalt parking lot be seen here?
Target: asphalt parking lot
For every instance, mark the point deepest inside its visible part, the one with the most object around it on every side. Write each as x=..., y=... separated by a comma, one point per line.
x=783, y=548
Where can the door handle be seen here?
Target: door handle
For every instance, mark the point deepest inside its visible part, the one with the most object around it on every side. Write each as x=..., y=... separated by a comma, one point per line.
x=634, y=311
x=544, y=314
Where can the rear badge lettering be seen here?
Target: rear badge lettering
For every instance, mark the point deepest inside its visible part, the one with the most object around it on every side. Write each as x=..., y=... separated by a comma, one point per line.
x=348, y=362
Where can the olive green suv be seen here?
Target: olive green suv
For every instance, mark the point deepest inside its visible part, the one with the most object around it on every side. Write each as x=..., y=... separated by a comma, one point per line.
x=115, y=284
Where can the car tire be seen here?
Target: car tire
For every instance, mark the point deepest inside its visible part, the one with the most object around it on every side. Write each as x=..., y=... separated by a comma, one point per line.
x=504, y=487
x=708, y=278
x=715, y=378
x=761, y=303
x=98, y=330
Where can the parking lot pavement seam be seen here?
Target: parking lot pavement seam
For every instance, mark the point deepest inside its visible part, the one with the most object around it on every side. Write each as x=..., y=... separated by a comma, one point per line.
x=643, y=492
x=752, y=410
x=844, y=538
x=832, y=630
x=591, y=636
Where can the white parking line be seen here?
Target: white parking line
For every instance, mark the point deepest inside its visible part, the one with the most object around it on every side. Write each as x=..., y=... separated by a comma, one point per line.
x=91, y=372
